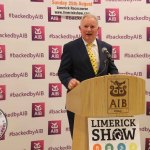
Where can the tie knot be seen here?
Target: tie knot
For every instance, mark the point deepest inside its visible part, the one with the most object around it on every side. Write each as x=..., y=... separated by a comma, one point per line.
x=89, y=46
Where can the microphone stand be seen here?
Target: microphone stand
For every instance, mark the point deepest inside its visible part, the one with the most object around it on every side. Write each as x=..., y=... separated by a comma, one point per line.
x=108, y=60
x=105, y=62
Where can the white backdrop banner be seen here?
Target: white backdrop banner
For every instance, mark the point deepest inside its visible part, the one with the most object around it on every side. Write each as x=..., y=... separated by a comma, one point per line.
x=31, y=44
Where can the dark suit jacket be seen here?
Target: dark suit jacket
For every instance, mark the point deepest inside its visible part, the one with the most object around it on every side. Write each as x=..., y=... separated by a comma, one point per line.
x=75, y=62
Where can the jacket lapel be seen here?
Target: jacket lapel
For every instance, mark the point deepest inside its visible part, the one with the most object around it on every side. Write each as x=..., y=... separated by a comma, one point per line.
x=101, y=55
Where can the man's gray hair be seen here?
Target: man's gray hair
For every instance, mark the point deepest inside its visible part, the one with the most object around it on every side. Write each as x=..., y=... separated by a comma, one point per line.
x=89, y=15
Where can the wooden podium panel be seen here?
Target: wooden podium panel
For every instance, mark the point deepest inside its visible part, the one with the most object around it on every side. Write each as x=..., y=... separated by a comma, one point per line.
x=105, y=96
x=92, y=97
x=80, y=134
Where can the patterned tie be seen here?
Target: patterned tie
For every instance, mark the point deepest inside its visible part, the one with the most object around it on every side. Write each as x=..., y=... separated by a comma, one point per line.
x=92, y=57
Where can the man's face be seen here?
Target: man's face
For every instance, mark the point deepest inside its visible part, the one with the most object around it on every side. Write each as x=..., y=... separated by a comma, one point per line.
x=88, y=29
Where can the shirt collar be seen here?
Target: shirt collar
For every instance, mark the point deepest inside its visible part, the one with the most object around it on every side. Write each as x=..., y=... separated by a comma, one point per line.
x=94, y=42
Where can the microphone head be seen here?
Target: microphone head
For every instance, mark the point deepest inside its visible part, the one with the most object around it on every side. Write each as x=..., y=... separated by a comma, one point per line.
x=104, y=50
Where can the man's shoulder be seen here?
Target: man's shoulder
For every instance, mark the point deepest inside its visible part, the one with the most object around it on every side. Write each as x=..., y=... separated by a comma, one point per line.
x=103, y=43
x=74, y=42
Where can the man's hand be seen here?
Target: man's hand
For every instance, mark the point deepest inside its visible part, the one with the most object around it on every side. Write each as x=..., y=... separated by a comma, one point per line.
x=73, y=83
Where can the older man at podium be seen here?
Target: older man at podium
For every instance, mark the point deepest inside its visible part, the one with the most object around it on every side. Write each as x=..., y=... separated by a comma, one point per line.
x=85, y=58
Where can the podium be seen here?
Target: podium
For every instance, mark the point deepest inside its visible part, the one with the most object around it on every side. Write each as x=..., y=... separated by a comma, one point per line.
x=105, y=96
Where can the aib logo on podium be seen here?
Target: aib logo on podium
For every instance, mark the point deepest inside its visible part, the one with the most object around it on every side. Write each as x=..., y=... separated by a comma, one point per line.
x=37, y=145
x=112, y=15
x=118, y=96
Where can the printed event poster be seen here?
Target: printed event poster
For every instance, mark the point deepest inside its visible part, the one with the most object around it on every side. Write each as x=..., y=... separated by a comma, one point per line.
x=71, y=7
x=121, y=133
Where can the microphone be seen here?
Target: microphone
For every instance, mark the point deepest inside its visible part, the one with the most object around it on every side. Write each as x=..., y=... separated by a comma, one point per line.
x=104, y=50
x=108, y=60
